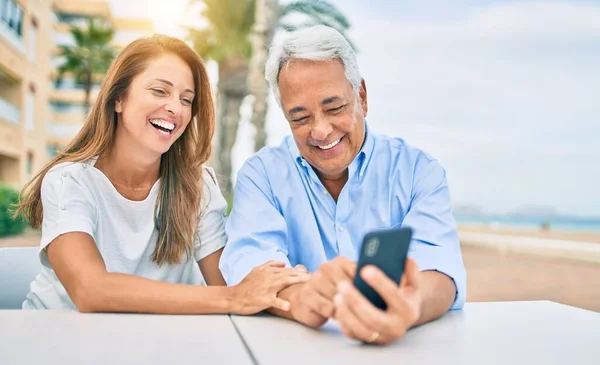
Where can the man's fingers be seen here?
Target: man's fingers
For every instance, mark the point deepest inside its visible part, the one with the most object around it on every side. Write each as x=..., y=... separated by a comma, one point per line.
x=330, y=274
x=340, y=314
x=318, y=304
x=363, y=310
x=383, y=285
x=349, y=268
x=350, y=323
x=325, y=287
x=404, y=301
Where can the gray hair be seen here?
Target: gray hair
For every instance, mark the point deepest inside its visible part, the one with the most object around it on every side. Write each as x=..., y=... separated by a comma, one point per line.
x=316, y=43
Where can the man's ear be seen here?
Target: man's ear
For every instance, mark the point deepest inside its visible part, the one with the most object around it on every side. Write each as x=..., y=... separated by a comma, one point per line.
x=362, y=93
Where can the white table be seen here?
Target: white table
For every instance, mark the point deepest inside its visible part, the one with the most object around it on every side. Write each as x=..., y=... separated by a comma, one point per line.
x=68, y=337
x=483, y=333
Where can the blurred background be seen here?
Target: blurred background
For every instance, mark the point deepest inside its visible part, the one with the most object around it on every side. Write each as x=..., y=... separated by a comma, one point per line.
x=503, y=93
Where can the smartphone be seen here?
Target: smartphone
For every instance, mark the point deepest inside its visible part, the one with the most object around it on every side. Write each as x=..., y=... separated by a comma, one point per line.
x=387, y=249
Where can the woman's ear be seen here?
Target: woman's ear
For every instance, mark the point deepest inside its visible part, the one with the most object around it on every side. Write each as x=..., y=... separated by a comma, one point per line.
x=119, y=106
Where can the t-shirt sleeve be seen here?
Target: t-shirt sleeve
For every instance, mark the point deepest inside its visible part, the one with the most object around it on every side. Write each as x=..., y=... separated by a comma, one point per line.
x=211, y=230
x=67, y=207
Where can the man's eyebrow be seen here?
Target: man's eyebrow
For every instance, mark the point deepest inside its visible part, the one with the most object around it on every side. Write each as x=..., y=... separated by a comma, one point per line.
x=171, y=85
x=296, y=109
x=331, y=100
x=327, y=101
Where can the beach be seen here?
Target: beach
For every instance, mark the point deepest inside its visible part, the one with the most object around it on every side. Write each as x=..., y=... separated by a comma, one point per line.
x=580, y=236
x=502, y=275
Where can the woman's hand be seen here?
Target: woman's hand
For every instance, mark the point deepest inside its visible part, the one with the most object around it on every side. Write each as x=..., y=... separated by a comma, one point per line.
x=258, y=291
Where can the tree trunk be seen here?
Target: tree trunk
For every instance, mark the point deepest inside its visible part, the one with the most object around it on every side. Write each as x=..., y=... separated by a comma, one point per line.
x=88, y=91
x=232, y=90
x=230, y=111
x=261, y=37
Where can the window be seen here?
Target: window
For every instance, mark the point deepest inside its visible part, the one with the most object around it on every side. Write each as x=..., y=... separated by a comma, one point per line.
x=52, y=150
x=30, y=109
x=62, y=107
x=73, y=19
x=4, y=10
x=68, y=83
x=7, y=10
x=18, y=20
x=12, y=15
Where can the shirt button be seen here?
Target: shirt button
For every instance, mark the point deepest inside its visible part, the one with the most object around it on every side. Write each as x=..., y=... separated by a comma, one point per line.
x=324, y=192
x=84, y=166
x=341, y=229
x=64, y=174
x=62, y=207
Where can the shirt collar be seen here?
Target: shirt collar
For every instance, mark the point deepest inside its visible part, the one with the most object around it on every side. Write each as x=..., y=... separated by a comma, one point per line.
x=360, y=162
x=366, y=152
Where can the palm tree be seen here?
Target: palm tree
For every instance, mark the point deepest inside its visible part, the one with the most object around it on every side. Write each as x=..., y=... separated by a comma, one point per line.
x=89, y=57
x=266, y=16
x=226, y=39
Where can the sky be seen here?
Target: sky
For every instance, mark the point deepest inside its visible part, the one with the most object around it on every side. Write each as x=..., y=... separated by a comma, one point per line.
x=503, y=93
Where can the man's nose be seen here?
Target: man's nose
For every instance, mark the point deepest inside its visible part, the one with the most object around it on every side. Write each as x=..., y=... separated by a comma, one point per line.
x=321, y=129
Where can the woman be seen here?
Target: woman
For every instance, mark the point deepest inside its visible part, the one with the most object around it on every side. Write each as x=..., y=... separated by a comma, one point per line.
x=131, y=219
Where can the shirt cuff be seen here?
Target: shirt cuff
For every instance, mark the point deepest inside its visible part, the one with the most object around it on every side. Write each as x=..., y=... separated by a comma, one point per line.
x=430, y=257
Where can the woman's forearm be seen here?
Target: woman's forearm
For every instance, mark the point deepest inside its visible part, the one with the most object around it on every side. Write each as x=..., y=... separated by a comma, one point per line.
x=114, y=292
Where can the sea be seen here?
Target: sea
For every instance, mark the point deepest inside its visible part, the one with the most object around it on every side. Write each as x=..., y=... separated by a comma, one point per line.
x=553, y=223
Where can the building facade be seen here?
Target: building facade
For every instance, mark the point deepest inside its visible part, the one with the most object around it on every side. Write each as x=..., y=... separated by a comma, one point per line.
x=38, y=116
x=67, y=98
x=25, y=86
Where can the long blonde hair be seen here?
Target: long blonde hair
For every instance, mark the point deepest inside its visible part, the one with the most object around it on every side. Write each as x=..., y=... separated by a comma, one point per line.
x=178, y=203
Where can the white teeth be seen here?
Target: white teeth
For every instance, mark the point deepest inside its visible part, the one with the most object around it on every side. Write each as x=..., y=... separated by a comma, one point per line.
x=163, y=124
x=163, y=132
x=330, y=146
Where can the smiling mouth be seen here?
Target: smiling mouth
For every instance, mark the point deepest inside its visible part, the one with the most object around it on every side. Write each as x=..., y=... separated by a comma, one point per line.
x=331, y=145
x=163, y=126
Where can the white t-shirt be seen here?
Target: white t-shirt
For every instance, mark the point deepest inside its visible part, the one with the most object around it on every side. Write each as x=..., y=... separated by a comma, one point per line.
x=77, y=197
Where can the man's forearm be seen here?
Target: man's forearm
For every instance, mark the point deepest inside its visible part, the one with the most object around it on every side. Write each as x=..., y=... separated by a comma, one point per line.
x=439, y=293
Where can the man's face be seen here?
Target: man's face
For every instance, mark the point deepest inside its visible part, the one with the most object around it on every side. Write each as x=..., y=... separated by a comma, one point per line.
x=326, y=116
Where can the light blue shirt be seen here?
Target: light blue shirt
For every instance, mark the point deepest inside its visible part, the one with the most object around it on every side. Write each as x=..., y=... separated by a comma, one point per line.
x=283, y=212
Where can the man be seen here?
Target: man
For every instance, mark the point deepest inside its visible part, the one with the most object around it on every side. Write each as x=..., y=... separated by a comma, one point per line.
x=309, y=201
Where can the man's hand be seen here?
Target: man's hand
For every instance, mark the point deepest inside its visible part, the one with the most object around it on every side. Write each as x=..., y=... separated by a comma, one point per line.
x=312, y=302
x=361, y=320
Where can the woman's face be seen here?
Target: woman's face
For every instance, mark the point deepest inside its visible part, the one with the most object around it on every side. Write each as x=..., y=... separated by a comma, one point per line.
x=158, y=105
